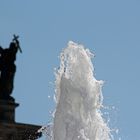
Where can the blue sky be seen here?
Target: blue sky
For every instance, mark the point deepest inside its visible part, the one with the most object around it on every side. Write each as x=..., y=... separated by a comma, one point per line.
x=109, y=28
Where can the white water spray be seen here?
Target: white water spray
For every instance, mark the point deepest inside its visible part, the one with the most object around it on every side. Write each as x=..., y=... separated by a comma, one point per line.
x=78, y=98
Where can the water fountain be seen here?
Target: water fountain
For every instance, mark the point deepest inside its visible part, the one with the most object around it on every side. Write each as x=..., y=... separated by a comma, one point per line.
x=78, y=98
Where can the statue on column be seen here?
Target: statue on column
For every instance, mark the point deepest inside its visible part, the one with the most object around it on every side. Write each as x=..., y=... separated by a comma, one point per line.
x=8, y=68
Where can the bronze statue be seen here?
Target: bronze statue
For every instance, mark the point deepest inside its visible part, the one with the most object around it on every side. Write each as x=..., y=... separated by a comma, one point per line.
x=8, y=68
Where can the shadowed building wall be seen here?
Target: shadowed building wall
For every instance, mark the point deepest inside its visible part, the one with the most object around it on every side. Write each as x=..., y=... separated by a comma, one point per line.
x=11, y=130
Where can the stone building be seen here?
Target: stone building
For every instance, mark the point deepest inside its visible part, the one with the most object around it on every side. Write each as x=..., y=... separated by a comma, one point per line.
x=12, y=130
